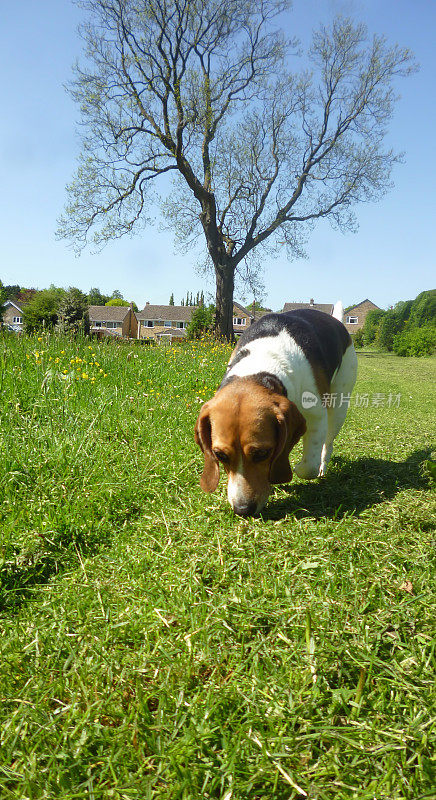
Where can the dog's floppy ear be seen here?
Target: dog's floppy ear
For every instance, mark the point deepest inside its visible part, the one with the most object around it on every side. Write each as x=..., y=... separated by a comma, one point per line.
x=203, y=437
x=297, y=425
x=291, y=427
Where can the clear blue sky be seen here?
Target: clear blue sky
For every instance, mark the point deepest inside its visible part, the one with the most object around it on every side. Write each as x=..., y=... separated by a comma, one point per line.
x=392, y=257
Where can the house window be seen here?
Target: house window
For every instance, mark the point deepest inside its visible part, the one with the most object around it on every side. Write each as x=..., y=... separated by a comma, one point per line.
x=168, y=324
x=352, y=320
x=18, y=320
x=180, y=324
x=148, y=323
x=159, y=322
x=97, y=324
x=239, y=320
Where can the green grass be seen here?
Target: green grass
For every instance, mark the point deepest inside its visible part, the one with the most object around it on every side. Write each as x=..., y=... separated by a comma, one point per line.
x=153, y=645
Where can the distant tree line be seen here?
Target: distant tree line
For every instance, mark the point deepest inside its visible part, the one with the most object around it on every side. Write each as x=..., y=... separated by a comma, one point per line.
x=407, y=329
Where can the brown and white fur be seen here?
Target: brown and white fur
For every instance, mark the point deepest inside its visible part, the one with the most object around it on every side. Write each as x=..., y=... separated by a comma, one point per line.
x=270, y=397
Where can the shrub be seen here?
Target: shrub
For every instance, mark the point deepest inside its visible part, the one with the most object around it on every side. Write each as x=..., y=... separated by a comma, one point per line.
x=358, y=338
x=416, y=341
x=73, y=312
x=402, y=311
x=371, y=324
x=201, y=322
x=389, y=326
x=423, y=309
x=42, y=311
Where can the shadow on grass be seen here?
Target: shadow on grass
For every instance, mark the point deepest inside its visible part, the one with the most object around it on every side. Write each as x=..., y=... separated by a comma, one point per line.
x=350, y=487
x=25, y=568
x=373, y=353
x=20, y=571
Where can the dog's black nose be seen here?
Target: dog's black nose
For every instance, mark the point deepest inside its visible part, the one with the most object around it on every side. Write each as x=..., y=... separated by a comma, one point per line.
x=245, y=509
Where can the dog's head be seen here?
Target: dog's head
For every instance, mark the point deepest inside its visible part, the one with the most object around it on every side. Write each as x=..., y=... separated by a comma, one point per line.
x=250, y=430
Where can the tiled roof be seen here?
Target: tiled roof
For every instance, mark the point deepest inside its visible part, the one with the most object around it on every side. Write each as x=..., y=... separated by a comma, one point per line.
x=326, y=307
x=15, y=303
x=361, y=304
x=245, y=311
x=166, y=313
x=179, y=313
x=108, y=313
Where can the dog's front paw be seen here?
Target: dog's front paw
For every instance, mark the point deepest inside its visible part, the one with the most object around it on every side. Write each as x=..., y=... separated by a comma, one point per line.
x=306, y=471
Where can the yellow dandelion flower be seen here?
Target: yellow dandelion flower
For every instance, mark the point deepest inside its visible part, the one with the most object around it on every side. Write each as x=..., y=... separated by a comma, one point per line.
x=84, y=376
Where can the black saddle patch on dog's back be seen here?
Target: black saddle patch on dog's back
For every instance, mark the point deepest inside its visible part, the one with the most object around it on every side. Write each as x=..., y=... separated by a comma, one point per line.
x=322, y=338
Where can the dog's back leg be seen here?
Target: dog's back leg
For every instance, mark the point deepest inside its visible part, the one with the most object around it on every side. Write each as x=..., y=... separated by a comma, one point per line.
x=341, y=388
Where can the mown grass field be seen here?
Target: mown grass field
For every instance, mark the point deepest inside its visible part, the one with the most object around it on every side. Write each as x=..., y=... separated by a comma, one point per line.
x=153, y=645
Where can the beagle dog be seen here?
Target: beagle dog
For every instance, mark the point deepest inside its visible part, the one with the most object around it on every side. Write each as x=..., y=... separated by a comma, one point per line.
x=290, y=376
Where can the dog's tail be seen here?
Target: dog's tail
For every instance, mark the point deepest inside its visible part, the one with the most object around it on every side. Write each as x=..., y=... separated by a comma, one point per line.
x=338, y=311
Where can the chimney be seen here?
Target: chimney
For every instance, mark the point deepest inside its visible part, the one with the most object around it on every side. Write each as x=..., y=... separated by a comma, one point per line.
x=147, y=303
x=312, y=301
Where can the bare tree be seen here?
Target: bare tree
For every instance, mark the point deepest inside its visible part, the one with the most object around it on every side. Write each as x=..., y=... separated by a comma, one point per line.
x=201, y=89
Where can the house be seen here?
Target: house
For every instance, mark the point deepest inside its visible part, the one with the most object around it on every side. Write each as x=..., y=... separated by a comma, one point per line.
x=168, y=323
x=114, y=320
x=13, y=315
x=326, y=307
x=13, y=309
x=163, y=323
x=354, y=318
x=242, y=319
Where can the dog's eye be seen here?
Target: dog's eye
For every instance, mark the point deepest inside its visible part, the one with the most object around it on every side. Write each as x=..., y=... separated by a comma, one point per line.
x=223, y=457
x=260, y=455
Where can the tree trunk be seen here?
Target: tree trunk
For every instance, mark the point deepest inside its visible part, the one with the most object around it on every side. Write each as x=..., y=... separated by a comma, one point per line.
x=224, y=301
